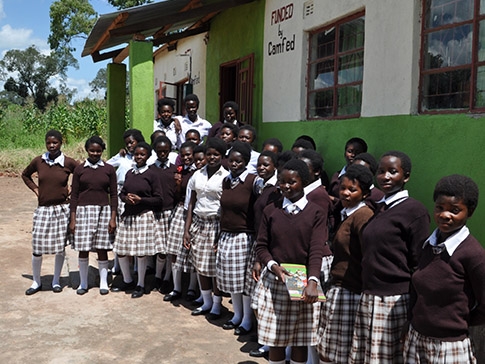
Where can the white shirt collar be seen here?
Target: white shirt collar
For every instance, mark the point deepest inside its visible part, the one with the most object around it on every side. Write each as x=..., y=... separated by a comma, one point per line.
x=161, y=164
x=342, y=171
x=395, y=199
x=99, y=163
x=451, y=243
x=312, y=186
x=294, y=207
x=346, y=212
x=141, y=170
x=241, y=177
x=273, y=181
x=59, y=160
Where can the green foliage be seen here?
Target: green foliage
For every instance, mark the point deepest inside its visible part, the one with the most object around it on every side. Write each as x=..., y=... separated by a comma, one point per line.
x=123, y=4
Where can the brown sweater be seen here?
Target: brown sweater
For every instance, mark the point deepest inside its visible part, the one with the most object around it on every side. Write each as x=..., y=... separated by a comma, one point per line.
x=53, y=189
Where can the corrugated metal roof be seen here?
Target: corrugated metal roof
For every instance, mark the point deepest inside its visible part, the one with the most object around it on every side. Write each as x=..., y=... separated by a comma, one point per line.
x=156, y=20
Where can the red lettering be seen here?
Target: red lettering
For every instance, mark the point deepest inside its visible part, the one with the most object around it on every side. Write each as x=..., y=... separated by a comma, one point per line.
x=282, y=14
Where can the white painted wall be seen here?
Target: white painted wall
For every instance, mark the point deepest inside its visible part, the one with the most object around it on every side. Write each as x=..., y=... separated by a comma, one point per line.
x=172, y=67
x=391, y=55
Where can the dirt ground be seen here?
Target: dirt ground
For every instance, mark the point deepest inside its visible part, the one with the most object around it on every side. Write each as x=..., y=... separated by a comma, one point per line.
x=68, y=328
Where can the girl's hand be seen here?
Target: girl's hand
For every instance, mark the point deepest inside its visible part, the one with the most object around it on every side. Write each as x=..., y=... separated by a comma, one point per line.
x=133, y=199
x=72, y=226
x=112, y=226
x=178, y=178
x=178, y=127
x=310, y=293
x=187, y=238
x=214, y=247
x=257, y=271
x=280, y=272
x=122, y=152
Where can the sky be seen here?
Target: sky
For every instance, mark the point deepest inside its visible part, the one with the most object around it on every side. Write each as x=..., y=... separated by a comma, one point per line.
x=26, y=22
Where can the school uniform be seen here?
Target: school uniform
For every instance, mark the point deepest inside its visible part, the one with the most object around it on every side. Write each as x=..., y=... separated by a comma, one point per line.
x=391, y=244
x=201, y=125
x=137, y=235
x=237, y=231
x=447, y=298
x=205, y=226
x=285, y=237
x=122, y=164
x=51, y=217
x=333, y=188
x=170, y=132
x=93, y=198
x=337, y=315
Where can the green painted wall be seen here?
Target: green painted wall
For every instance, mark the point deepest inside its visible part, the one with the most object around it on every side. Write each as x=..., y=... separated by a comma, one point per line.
x=116, y=99
x=235, y=33
x=438, y=145
x=141, y=87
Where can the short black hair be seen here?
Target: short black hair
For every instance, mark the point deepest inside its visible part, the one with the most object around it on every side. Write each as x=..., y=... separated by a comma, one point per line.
x=188, y=144
x=461, y=187
x=359, y=141
x=217, y=144
x=162, y=139
x=274, y=141
x=54, y=133
x=94, y=140
x=135, y=133
x=233, y=127
x=191, y=97
x=164, y=101
x=284, y=157
x=369, y=159
x=243, y=148
x=273, y=156
x=155, y=135
x=232, y=104
x=314, y=157
x=195, y=131
x=406, y=164
x=300, y=167
x=361, y=174
x=308, y=138
x=201, y=148
x=144, y=145
x=250, y=128
x=303, y=143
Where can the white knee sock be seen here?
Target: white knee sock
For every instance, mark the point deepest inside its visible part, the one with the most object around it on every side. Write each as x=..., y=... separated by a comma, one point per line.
x=177, y=279
x=36, y=265
x=168, y=267
x=58, y=262
x=83, y=272
x=142, y=268
x=159, y=266
x=207, y=297
x=313, y=357
x=103, y=274
x=216, y=305
x=237, y=306
x=125, y=269
x=247, y=321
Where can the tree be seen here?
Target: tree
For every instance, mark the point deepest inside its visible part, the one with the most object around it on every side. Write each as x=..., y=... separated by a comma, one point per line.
x=123, y=4
x=29, y=73
x=100, y=82
x=70, y=20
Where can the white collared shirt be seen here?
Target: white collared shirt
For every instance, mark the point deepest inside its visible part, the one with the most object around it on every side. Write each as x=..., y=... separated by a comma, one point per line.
x=123, y=165
x=208, y=190
x=201, y=125
x=342, y=172
x=141, y=170
x=346, y=212
x=395, y=199
x=59, y=160
x=294, y=207
x=169, y=131
x=312, y=186
x=253, y=162
x=99, y=163
x=451, y=243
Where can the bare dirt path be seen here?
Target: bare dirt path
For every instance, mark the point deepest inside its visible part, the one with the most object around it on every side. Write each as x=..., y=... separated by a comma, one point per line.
x=67, y=328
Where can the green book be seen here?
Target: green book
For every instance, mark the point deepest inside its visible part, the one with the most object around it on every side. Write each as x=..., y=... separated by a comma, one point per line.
x=297, y=281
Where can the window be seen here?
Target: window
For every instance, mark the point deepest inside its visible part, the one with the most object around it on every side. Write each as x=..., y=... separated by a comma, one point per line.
x=453, y=55
x=336, y=65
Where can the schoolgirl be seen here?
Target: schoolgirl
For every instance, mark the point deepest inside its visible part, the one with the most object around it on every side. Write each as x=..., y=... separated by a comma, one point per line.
x=166, y=171
x=202, y=225
x=368, y=160
x=51, y=217
x=94, y=203
x=448, y=294
x=345, y=285
x=176, y=233
x=239, y=192
x=391, y=243
x=142, y=195
x=247, y=134
x=290, y=232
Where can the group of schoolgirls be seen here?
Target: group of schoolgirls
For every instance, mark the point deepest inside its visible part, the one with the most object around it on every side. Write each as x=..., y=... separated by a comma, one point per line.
x=394, y=293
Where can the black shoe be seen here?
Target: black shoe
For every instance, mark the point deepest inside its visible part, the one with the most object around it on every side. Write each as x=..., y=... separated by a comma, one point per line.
x=32, y=291
x=165, y=287
x=81, y=291
x=258, y=353
x=57, y=289
x=138, y=292
x=213, y=316
x=229, y=325
x=172, y=296
x=241, y=331
x=199, y=312
x=191, y=296
x=103, y=291
x=124, y=287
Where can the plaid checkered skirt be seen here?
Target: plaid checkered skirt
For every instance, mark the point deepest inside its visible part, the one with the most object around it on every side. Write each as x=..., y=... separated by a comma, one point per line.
x=423, y=349
x=325, y=271
x=204, y=232
x=183, y=262
x=337, y=318
x=162, y=223
x=175, y=237
x=377, y=331
x=138, y=236
x=249, y=282
x=91, y=230
x=282, y=322
x=49, y=231
x=233, y=251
